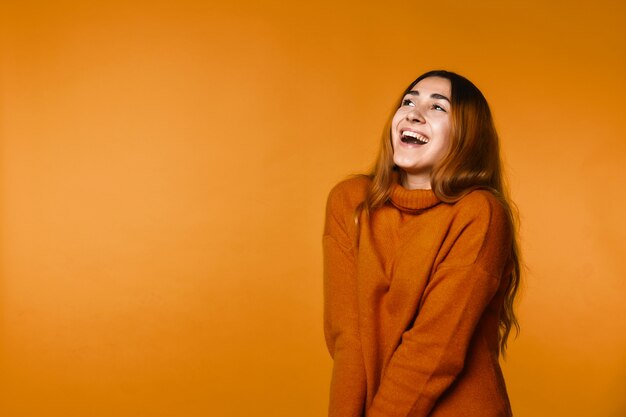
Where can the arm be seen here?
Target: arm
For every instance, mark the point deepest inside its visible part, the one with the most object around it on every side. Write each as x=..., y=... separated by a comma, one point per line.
x=348, y=387
x=432, y=352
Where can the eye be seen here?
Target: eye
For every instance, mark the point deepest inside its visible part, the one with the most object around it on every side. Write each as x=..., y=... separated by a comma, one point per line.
x=438, y=108
x=407, y=102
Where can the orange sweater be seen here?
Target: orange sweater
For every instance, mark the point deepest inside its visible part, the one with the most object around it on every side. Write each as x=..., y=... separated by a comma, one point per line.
x=411, y=312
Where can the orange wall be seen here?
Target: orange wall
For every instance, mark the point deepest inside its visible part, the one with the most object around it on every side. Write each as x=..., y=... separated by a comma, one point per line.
x=164, y=170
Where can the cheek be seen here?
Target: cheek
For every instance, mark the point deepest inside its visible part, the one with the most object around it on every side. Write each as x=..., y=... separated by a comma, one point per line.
x=444, y=133
x=397, y=117
x=445, y=130
x=445, y=125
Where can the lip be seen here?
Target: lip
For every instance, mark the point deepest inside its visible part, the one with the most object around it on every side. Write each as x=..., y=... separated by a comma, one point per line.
x=407, y=129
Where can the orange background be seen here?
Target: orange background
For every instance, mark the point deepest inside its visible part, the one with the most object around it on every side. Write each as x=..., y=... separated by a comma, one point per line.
x=164, y=170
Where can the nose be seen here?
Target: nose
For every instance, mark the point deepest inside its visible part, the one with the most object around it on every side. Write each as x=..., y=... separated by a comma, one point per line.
x=415, y=115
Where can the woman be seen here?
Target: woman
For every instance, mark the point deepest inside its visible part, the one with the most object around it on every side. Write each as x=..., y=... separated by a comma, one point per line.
x=421, y=264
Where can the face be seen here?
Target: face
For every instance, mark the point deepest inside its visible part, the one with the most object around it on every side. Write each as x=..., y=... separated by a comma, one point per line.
x=420, y=130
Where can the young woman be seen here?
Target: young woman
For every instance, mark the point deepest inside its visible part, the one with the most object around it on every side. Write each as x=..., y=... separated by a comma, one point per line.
x=421, y=264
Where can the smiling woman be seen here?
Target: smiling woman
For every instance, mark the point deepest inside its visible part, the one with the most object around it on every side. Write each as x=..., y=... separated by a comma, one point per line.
x=421, y=264
x=422, y=119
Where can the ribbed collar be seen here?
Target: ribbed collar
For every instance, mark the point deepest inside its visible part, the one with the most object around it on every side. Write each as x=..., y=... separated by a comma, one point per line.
x=412, y=200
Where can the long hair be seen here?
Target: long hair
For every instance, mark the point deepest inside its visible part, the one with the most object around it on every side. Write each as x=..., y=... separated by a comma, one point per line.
x=471, y=162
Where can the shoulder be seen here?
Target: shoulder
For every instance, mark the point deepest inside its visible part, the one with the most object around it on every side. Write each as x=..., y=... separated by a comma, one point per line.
x=341, y=206
x=349, y=193
x=481, y=214
x=478, y=199
x=480, y=232
x=481, y=206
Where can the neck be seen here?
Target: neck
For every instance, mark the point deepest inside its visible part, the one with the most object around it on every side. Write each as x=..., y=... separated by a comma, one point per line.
x=416, y=182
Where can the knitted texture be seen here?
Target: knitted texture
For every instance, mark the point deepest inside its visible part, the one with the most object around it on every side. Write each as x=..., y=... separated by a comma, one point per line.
x=412, y=301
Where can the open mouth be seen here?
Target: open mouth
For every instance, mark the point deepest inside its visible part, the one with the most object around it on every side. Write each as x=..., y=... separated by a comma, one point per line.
x=413, y=138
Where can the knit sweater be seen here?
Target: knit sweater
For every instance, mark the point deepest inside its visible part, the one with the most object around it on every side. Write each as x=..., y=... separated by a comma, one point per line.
x=412, y=305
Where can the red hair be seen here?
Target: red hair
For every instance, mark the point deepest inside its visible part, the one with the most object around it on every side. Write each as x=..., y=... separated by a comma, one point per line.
x=471, y=162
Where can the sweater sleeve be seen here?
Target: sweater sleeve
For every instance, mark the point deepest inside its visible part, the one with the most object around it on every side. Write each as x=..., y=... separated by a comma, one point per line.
x=432, y=352
x=348, y=386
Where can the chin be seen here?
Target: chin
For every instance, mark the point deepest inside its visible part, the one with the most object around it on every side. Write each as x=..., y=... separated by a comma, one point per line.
x=404, y=164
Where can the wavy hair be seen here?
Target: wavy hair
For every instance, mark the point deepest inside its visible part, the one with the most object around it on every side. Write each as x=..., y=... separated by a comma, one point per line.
x=471, y=162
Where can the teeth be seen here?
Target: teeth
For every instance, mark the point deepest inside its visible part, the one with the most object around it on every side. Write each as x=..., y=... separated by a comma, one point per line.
x=416, y=136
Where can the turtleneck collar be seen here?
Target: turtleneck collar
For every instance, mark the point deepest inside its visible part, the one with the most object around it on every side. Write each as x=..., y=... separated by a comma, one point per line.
x=412, y=200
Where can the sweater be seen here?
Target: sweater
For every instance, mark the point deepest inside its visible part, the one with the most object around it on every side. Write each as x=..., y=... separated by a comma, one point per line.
x=412, y=302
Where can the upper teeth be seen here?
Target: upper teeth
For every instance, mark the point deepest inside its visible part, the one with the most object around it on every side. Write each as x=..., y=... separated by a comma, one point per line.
x=415, y=136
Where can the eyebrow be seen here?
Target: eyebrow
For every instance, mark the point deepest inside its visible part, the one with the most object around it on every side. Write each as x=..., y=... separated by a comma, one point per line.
x=434, y=95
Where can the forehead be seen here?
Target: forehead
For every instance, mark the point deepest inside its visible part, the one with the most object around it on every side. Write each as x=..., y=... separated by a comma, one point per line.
x=433, y=85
